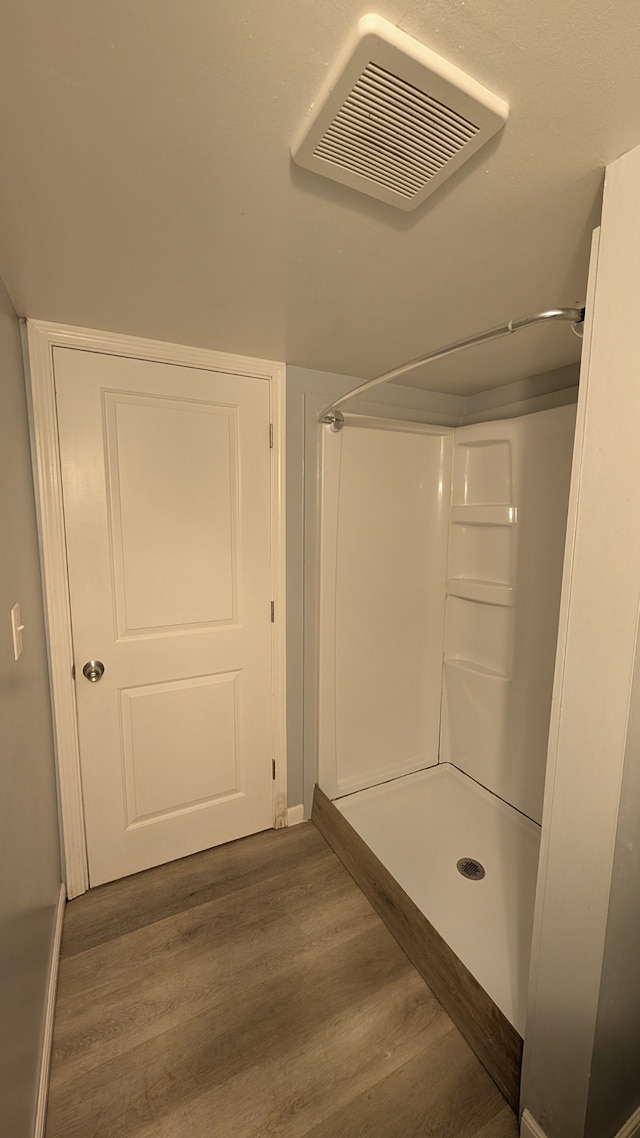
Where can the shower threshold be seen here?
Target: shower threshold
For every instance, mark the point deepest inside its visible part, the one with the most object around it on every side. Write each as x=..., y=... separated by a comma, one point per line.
x=419, y=827
x=413, y=845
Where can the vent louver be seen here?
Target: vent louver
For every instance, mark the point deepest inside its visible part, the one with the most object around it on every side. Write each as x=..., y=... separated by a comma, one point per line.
x=398, y=119
x=392, y=133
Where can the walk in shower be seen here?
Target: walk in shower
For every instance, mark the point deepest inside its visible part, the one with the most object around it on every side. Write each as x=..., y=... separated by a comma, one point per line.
x=441, y=566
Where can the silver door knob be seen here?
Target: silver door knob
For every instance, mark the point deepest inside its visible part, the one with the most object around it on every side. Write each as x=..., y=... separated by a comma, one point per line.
x=93, y=670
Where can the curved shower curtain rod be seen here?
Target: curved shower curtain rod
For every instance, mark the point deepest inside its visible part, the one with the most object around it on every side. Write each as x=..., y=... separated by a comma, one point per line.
x=335, y=418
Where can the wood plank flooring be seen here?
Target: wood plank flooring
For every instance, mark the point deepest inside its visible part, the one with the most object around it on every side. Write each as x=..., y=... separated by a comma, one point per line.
x=252, y=991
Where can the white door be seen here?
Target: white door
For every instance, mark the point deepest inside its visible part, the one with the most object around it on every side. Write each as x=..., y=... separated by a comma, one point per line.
x=166, y=487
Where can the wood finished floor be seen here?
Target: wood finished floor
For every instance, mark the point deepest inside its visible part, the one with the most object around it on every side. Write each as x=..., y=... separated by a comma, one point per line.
x=251, y=991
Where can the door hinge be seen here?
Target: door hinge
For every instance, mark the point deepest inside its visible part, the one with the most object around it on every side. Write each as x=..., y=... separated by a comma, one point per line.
x=73, y=671
x=273, y=768
x=273, y=612
x=271, y=435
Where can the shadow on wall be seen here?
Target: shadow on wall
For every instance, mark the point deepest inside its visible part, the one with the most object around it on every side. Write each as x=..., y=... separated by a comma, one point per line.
x=29, y=840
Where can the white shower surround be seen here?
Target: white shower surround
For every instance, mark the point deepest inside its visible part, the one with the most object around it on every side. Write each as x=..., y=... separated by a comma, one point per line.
x=493, y=500
x=382, y=584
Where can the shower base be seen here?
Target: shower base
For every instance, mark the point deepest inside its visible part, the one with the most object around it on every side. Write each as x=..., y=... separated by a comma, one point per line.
x=420, y=827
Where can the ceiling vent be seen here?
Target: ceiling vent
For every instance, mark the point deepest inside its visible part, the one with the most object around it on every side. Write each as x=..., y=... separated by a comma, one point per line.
x=395, y=119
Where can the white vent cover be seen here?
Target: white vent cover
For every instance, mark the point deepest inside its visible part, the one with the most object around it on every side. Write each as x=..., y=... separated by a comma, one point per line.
x=396, y=119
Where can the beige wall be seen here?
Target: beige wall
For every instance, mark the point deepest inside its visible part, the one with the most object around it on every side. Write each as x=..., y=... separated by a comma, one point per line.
x=29, y=844
x=583, y=1034
x=614, y=1091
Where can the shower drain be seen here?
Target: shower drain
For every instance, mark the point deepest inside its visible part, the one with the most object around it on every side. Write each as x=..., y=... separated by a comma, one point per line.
x=469, y=867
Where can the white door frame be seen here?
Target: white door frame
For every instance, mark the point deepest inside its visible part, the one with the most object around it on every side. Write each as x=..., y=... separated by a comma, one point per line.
x=39, y=340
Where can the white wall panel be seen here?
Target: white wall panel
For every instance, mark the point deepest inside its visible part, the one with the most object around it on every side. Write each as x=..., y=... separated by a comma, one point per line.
x=384, y=538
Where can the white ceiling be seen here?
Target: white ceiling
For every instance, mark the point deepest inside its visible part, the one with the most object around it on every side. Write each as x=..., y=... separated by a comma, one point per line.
x=146, y=184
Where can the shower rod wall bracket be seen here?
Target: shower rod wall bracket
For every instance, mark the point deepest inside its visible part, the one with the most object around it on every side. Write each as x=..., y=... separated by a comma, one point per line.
x=334, y=419
x=575, y=316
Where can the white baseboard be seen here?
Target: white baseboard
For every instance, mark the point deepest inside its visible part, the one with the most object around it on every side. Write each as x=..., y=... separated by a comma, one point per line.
x=529, y=1127
x=631, y=1128
x=47, y=1036
x=295, y=814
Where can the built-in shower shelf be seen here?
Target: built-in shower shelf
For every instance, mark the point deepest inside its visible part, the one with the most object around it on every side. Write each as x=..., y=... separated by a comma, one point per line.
x=486, y=592
x=484, y=515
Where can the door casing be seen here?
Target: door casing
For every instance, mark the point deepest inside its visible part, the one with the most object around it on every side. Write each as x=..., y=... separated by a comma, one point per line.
x=39, y=340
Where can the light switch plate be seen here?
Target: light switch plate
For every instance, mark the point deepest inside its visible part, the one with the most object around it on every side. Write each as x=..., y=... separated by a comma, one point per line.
x=17, y=628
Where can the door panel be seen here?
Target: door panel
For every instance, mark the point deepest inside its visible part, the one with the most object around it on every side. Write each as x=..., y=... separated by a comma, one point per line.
x=166, y=488
x=155, y=721
x=174, y=560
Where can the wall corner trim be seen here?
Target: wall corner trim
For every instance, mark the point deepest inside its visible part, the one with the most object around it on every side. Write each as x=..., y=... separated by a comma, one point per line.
x=50, y=1004
x=295, y=814
x=529, y=1128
